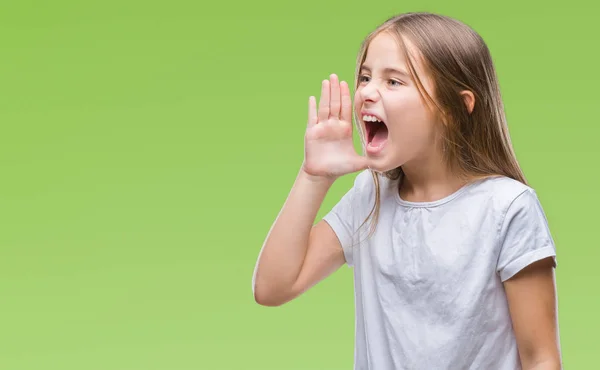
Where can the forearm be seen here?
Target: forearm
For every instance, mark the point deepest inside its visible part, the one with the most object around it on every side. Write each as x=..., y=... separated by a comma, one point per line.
x=283, y=252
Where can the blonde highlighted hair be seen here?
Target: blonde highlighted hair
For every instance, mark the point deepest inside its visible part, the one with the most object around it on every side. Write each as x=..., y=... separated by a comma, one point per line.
x=456, y=58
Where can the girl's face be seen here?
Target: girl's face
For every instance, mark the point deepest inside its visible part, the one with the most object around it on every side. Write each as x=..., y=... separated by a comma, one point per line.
x=385, y=90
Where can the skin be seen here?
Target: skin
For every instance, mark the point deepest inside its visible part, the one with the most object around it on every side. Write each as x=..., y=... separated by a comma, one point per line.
x=297, y=255
x=414, y=129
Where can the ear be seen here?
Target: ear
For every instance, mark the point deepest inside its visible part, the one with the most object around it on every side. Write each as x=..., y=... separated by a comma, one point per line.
x=469, y=99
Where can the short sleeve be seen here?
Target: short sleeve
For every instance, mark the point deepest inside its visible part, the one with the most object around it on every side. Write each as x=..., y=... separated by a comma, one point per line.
x=524, y=236
x=343, y=217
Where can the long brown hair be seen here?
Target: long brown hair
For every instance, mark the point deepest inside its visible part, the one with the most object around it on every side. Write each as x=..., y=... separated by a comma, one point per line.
x=475, y=144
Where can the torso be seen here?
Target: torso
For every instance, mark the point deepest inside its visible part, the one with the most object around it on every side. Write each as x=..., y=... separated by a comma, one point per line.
x=427, y=292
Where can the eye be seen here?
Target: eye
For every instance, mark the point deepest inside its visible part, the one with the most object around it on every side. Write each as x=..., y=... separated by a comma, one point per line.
x=362, y=78
x=398, y=83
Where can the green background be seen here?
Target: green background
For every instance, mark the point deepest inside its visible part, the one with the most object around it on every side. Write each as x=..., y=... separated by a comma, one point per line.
x=147, y=147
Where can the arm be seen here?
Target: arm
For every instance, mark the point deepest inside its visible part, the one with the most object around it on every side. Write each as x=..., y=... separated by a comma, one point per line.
x=532, y=300
x=296, y=255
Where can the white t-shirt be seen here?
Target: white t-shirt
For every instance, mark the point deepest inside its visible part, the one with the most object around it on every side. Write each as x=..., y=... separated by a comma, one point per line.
x=428, y=283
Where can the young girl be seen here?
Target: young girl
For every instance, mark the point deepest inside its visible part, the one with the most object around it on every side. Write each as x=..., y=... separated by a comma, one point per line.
x=457, y=268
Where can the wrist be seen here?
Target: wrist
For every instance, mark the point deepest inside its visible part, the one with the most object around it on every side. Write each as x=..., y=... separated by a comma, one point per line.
x=317, y=179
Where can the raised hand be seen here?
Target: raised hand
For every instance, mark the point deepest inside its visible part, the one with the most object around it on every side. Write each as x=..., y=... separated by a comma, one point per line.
x=328, y=147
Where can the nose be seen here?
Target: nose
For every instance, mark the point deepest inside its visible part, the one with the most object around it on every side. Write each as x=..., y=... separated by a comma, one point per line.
x=369, y=92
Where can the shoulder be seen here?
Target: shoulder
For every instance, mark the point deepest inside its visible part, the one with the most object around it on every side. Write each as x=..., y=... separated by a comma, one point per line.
x=504, y=187
x=523, y=231
x=500, y=200
x=360, y=190
x=502, y=192
x=364, y=184
x=371, y=185
x=364, y=180
x=514, y=205
x=367, y=188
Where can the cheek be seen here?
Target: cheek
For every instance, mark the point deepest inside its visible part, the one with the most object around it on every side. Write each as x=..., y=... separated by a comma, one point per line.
x=412, y=122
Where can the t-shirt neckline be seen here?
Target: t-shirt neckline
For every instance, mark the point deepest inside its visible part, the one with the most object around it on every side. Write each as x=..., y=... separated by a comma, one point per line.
x=440, y=201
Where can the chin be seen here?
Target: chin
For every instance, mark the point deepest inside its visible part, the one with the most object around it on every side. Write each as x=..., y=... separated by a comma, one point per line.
x=384, y=157
x=383, y=164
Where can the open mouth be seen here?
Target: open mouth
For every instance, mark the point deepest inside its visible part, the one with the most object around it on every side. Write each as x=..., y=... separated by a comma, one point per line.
x=377, y=133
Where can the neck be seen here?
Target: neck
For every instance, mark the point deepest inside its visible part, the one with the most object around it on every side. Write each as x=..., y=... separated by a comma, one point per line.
x=428, y=180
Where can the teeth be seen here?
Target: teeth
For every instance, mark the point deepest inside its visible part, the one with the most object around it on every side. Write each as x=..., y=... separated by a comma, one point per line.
x=368, y=118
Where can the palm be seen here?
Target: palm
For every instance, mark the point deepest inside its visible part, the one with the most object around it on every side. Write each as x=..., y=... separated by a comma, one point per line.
x=329, y=148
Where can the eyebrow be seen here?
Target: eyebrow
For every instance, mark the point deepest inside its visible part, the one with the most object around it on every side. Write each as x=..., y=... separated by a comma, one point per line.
x=387, y=70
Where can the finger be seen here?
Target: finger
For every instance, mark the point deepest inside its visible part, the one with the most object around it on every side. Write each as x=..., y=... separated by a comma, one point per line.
x=346, y=104
x=334, y=105
x=324, y=102
x=312, y=111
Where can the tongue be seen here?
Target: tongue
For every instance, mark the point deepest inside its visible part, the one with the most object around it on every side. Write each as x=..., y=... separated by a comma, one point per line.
x=380, y=136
